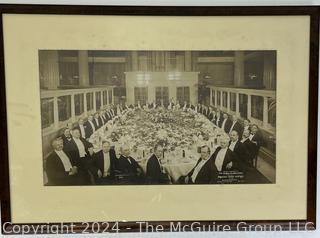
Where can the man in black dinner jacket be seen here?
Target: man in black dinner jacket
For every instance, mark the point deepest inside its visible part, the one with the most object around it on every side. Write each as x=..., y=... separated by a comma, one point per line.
x=241, y=152
x=223, y=157
x=89, y=126
x=97, y=121
x=250, y=146
x=129, y=167
x=204, y=171
x=61, y=168
x=105, y=164
x=256, y=138
x=218, y=119
x=81, y=151
x=82, y=128
x=235, y=126
x=66, y=137
x=226, y=123
x=154, y=173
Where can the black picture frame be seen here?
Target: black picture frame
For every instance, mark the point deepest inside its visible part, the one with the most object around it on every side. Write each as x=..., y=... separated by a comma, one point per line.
x=133, y=226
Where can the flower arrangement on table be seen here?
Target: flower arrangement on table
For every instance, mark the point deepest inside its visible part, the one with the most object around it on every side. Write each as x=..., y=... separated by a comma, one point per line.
x=175, y=130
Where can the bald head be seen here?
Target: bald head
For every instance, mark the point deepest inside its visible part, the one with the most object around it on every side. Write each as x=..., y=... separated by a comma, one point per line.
x=234, y=136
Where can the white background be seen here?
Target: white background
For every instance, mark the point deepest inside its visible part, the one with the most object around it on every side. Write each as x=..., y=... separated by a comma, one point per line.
x=195, y=3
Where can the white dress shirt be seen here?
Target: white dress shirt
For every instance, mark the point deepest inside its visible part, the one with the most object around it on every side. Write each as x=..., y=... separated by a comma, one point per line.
x=244, y=139
x=251, y=136
x=97, y=121
x=231, y=128
x=197, y=169
x=106, y=163
x=232, y=145
x=102, y=119
x=92, y=125
x=217, y=121
x=82, y=150
x=64, y=159
x=223, y=123
x=83, y=131
x=220, y=158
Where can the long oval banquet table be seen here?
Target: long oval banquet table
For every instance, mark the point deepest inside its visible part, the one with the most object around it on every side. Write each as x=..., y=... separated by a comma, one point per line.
x=181, y=139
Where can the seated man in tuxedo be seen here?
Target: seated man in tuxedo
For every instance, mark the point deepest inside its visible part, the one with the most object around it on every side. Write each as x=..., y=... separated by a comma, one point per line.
x=250, y=146
x=112, y=109
x=81, y=151
x=198, y=108
x=256, y=138
x=155, y=173
x=226, y=123
x=108, y=114
x=185, y=106
x=241, y=152
x=131, y=171
x=89, y=126
x=66, y=137
x=205, y=110
x=218, y=119
x=60, y=168
x=223, y=157
x=246, y=126
x=235, y=125
x=70, y=125
x=97, y=121
x=103, y=118
x=105, y=164
x=82, y=128
x=204, y=171
x=126, y=107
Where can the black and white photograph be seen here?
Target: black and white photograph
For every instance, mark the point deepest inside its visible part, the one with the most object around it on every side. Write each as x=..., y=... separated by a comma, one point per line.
x=123, y=117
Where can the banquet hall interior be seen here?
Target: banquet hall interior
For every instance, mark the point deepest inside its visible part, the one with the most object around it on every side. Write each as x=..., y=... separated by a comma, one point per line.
x=75, y=84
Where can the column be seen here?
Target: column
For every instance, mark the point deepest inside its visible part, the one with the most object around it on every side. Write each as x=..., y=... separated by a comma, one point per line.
x=238, y=68
x=210, y=101
x=73, y=111
x=215, y=98
x=269, y=73
x=85, y=109
x=49, y=69
x=237, y=105
x=94, y=102
x=55, y=113
x=249, y=107
x=151, y=93
x=221, y=101
x=101, y=99
x=265, y=111
x=83, y=68
x=187, y=61
x=228, y=101
x=108, y=96
x=112, y=93
x=167, y=61
x=134, y=58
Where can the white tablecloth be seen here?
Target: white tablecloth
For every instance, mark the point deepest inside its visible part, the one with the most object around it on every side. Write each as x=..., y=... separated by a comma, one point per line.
x=173, y=163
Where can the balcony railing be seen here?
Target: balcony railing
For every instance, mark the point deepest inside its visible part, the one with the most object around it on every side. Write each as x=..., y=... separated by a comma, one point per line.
x=58, y=107
x=259, y=106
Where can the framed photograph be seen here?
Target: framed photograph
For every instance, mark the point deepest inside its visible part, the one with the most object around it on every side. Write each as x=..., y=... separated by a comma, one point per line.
x=118, y=119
